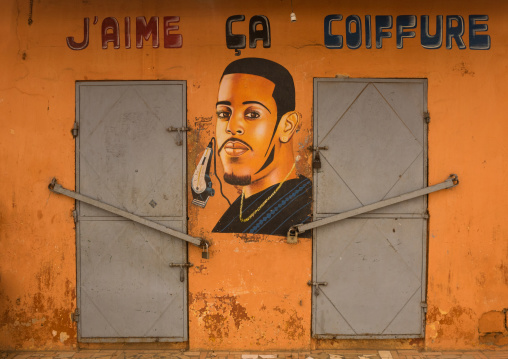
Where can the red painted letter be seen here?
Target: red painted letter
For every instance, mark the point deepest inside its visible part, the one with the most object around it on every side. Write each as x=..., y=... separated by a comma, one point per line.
x=110, y=23
x=127, y=32
x=143, y=31
x=171, y=40
x=80, y=45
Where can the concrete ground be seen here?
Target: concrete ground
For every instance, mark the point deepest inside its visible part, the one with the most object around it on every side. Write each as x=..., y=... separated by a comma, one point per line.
x=315, y=354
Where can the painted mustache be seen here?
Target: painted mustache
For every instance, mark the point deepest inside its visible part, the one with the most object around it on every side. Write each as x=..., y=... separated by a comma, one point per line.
x=234, y=147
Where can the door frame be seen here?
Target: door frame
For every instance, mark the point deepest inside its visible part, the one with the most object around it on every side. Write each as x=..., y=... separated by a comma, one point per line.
x=78, y=85
x=317, y=216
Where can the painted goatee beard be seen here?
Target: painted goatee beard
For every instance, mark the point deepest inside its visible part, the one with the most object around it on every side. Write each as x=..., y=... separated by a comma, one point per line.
x=235, y=180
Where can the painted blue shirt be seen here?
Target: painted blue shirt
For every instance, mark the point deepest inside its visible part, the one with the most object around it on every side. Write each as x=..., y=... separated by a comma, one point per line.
x=289, y=206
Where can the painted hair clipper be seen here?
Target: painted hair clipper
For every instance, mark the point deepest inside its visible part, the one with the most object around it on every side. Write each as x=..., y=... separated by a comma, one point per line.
x=201, y=182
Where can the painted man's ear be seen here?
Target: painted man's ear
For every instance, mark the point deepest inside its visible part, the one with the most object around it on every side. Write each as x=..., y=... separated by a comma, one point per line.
x=289, y=123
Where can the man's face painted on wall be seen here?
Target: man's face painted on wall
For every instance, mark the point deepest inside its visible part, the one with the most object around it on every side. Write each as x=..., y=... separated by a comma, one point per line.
x=246, y=118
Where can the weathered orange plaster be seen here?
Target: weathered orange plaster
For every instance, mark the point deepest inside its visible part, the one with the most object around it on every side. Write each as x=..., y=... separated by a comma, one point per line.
x=252, y=293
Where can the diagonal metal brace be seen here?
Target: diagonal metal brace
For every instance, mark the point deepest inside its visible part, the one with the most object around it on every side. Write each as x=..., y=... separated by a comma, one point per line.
x=57, y=188
x=293, y=232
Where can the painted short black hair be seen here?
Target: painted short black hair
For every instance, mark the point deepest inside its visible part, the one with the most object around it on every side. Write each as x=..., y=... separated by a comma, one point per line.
x=284, y=91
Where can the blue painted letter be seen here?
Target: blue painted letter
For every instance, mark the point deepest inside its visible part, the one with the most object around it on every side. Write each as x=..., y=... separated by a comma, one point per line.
x=353, y=39
x=332, y=41
x=432, y=41
x=383, y=22
x=478, y=42
x=405, y=22
x=455, y=32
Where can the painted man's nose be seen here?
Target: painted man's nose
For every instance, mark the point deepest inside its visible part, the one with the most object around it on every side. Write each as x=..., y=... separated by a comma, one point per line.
x=235, y=127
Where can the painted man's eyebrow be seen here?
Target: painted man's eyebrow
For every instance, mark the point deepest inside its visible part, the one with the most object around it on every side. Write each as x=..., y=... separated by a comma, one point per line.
x=223, y=103
x=259, y=103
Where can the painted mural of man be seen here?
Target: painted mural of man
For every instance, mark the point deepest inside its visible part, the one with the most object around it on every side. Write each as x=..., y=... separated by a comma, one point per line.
x=256, y=121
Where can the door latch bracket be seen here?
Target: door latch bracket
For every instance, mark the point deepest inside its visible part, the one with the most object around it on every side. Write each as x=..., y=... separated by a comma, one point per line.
x=182, y=266
x=316, y=286
x=179, y=140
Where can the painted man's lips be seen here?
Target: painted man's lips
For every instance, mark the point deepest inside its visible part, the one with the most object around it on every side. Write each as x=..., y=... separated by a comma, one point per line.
x=235, y=148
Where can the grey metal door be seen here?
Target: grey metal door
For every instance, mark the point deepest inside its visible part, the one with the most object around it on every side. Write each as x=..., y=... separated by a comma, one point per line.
x=126, y=158
x=373, y=264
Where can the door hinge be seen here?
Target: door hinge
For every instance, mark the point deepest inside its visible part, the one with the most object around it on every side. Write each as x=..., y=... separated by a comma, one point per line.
x=424, y=306
x=75, y=130
x=75, y=216
x=75, y=315
x=426, y=117
x=424, y=316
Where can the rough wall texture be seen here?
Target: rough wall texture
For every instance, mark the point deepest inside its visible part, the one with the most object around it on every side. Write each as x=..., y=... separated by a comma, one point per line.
x=252, y=293
x=493, y=328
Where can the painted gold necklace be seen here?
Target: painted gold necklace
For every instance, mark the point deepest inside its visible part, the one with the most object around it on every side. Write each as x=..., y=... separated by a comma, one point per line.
x=243, y=220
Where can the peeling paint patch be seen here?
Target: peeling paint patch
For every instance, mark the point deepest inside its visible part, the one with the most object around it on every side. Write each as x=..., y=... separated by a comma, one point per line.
x=454, y=324
x=31, y=328
x=63, y=337
x=293, y=327
x=218, y=313
x=249, y=237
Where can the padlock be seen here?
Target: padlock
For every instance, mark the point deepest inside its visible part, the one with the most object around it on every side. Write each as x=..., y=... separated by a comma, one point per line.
x=292, y=237
x=205, y=254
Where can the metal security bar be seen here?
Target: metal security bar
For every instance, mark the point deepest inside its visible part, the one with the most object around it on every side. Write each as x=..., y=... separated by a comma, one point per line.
x=57, y=188
x=293, y=232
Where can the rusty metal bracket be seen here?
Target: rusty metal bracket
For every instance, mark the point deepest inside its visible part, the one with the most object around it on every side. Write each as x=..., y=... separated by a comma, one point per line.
x=75, y=315
x=181, y=266
x=318, y=148
x=179, y=140
x=75, y=130
x=316, y=161
x=426, y=117
x=57, y=188
x=452, y=181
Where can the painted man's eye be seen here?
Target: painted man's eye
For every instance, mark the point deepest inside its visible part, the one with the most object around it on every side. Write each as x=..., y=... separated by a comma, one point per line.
x=224, y=115
x=252, y=114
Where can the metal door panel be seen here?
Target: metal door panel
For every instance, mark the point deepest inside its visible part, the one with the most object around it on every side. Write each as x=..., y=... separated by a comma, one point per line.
x=335, y=98
x=405, y=321
x=407, y=101
x=341, y=199
x=129, y=154
x=127, y=286
x=372, y=277
x=369, y=139
x=374, y=265
x=126, y=158
x=413, y=178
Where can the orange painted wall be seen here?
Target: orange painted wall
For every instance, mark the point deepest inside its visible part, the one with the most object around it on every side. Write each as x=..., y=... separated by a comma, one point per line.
x=252, y=293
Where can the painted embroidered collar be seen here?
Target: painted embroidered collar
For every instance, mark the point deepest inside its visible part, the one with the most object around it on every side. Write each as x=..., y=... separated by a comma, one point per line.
x=243, y=220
